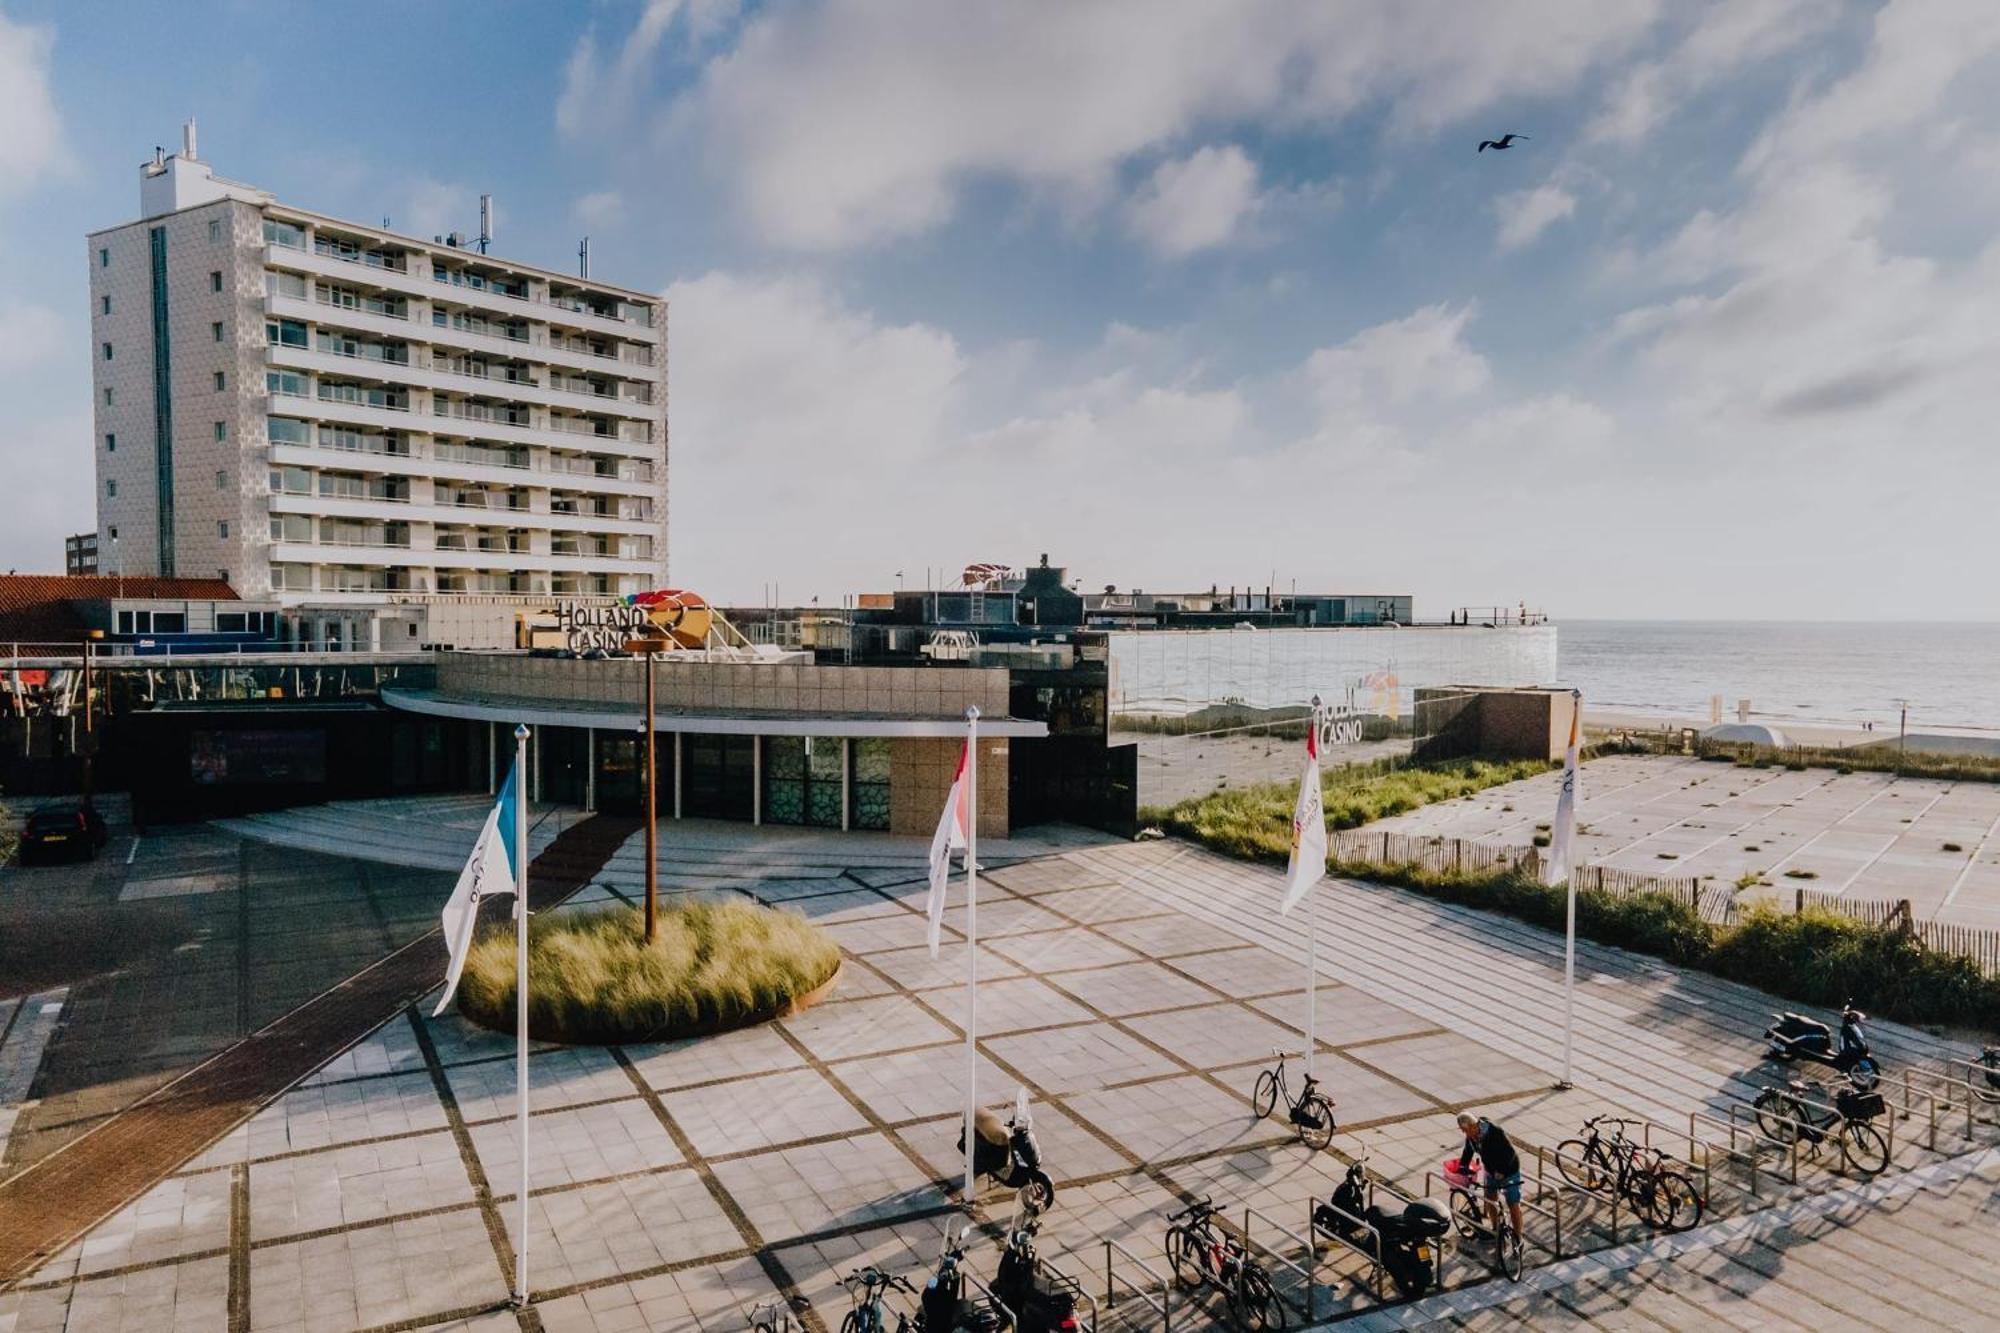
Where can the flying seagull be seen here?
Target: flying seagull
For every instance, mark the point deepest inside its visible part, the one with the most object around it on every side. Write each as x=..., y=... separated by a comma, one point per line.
x=1502, y=143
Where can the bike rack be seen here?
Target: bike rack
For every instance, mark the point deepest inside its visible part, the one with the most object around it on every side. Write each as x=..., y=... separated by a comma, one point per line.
x=1310, y=1272
x=1825, y=1131
x=1839, y=1121
x=1749, y=1159
x=1164, y=1306
x=1976, y=1093
x=1376, y=1271
x=1082, y=1294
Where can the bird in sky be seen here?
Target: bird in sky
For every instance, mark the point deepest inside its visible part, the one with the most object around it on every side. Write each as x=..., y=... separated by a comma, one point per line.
x=1502, y=143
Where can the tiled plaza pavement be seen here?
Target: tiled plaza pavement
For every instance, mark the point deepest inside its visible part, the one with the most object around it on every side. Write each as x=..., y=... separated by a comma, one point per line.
x=1864, y=835
x=1134, y=990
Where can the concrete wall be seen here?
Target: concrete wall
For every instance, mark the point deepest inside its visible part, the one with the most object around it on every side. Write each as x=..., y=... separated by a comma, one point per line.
x=1458, y=721
x=928, y=692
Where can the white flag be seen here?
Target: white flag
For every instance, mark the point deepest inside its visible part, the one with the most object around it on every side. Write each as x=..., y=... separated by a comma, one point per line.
x=950, y=837
x=1565, y=825
x=1308, y=864
x=489, y=870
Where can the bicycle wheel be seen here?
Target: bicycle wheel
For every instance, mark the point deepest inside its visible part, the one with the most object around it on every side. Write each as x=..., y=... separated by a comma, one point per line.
x=852, y=1323
x=1466, y=1218
x=1777, y=1115
x=1184, y=1256
x=1513, y=1254
x=1864, y=1147
x=1256, y=1302
x=1582, y=1164
x=1318, y=1108
x=1265, y=1100
x=1671, y=1202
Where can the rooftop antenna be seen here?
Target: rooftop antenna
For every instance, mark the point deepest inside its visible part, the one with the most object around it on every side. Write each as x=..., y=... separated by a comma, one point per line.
x=159, y=156
x=485, y=221
x=583, y=258
x=187, y=141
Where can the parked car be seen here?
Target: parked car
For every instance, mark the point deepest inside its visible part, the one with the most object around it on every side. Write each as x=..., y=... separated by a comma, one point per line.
x=62, y=833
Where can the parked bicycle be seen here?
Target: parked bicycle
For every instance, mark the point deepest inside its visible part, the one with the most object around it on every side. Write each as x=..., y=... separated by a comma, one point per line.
x=1799, y=1111
x=1202, y=1254
x=1311, y=1115
x=1987, y=1088
x=1644, y=1177
x=865, y=1288
x=1473, y=1218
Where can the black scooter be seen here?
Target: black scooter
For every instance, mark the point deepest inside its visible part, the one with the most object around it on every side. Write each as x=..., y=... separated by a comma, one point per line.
x=1042, y=1301
x=1410, y=1231
x=1007, y=1152
x=1796, y=1037
x=942, y=1306
x=1989, y=1066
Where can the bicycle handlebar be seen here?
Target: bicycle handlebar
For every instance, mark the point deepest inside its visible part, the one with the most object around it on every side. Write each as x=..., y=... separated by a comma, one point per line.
x=1201, y=1207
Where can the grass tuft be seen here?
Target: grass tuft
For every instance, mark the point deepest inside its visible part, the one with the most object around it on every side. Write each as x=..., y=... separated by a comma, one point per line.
x=593, y=980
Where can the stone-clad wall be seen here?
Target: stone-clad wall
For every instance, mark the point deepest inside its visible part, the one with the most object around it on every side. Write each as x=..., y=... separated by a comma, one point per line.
x=920, y=774
x=926, y=692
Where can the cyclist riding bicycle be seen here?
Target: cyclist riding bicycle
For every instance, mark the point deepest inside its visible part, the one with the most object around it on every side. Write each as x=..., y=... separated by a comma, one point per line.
x=1489, y=1143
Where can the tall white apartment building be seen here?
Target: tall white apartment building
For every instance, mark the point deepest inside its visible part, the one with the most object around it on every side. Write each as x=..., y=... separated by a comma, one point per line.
x=378, y=432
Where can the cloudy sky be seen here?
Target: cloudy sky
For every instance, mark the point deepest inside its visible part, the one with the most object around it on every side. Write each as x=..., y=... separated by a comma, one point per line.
x=1180, y=293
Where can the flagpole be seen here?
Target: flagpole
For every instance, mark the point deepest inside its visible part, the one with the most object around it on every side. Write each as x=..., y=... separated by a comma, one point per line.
x=1312, y=949
x=971, y=941
x=521, y=999
x=1566, y=818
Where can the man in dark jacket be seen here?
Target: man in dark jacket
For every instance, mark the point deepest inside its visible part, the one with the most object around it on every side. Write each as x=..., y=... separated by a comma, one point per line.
x=1490, y=1144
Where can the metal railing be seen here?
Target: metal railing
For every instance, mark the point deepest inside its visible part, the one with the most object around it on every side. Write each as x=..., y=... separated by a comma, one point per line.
x=1308, y=1272
x=1164, y=1306
x=1377, y=1270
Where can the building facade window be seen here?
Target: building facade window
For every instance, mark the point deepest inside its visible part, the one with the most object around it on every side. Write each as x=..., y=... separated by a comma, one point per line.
x=104, y=305
x=221, y=481
x=222, y=430
x=110, y=487
x=870, y=791
x=287, y=234
x=284, y=333
x=222, y=529
x=104, y=259
x=284, y=430
x=214, y=231
x=215, y=280
x=285, y=382
x=221, y=381
x=215, y=330
x=107, y=351
x=110, y=396
x=111, y=444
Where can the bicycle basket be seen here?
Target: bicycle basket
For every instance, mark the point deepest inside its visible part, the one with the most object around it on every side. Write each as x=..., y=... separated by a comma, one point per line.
x=1860, y=1105
x=1457, y=1179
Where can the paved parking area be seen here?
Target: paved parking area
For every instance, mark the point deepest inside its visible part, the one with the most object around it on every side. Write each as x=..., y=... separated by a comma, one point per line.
x=1135, y=994
x=1863, y=835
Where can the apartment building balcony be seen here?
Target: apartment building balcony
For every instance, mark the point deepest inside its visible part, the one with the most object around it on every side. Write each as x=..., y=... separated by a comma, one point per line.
x=442, y=461
x=555, y=435
x=472, y=289
x=633, y=400
x=424, y=370
x=359, y=272
x=326, y=312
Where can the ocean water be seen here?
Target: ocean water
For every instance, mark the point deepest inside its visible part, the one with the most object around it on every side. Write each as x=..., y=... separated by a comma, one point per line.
x=1841, y=672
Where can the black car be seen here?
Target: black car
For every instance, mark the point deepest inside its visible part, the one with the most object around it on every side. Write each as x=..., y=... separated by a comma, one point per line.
x=62, y=833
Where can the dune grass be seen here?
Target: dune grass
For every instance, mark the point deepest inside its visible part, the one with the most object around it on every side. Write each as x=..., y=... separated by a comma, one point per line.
x=1256, y=822
x=592, y=979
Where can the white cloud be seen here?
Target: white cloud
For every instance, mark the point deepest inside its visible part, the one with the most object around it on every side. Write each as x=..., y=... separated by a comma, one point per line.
x=1526, y=214
x=31, y=138
x=1727, y=37
x=858, y=121
x=1196, y=202
x=1419, y=357
x=600, y=208
x=437, y=208
x=597, y=97
x=29, y=335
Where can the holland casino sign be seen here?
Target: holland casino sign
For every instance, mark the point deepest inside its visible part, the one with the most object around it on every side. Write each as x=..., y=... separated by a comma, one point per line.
x=683, y=617
x=1339, y=726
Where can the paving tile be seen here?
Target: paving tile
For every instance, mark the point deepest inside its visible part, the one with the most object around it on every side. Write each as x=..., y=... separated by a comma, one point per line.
x=1069, y=1150
x=708, y=1297
x=557, y=1077
x=375, y=1275
x=1455, y=1069
x=179, y=1216
x=600, y=1231
x=1166, y=935
x=576, y=1144
x=1075, y=1059
x=915, y=969
x=815, y=1187
x=1244, y=973
x=1346, y=1014
x=752, y=1050
x=390, y=1049
x=1098, y=903
x=866, y=1027
x=913, y=1085
x=761, y=1111
x=1217, y=1035
x=361, y=1183
x=1172, y=1118
x=1063, y=950
x=190, y=1297
x=1133, y=988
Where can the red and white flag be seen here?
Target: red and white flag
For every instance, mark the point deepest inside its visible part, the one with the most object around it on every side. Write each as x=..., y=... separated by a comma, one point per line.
x=953, y=825
x=1557, y=869
x=1308, y=863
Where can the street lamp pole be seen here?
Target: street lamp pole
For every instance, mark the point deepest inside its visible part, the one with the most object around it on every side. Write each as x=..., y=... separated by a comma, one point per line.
x=648, y=647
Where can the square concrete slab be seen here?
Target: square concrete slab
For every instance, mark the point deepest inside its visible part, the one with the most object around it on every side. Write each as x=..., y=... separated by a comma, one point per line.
x=1063, y=950
x=359, y=1183
x=762, y=1111
x=915, y=969
x=1135, y=988
x=1077, y=1059
x=575, y=1145
x=1217, y=1036
x=1345, y=1015
x=752, y=1050
x=1245, y=973
x=708, y=1297
x=866, y=1027
x=824, y=1186
x=1169, y=1119
x=915, y=1085
x=1453, y=1069
x=376, y=1275
x=555, y=1078
x=622, y=1226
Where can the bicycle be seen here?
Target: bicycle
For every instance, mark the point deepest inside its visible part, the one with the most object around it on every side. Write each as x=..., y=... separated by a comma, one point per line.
x=1987, y=1089
x=1468, y=1218
x=1784, y=1115
x=774, y=1316
x=1641, y=1176
x=866, y=1314
x=1311, y=1115
x=1201, y=1255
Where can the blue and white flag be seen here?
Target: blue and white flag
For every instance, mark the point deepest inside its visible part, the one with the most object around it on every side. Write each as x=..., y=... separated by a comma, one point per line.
x=489, y=870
